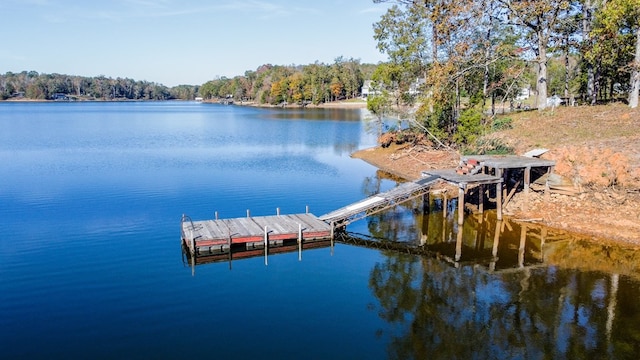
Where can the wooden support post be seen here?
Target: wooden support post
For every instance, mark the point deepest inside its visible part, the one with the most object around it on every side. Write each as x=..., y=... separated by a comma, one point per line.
x=307, y=209
x=501, y=173
x=494, y=249
x=216, y=215
x=527, y=179
x=333, y=227
x=499, y=200
x=426, y=209
x=193, y=243
x=460, y=205
x=481, y=198
x=523, y=238
x=278, y=211
x=299, y=242
x=611, y=306
x=266, y=245
x=228, y=242
x=444, y=229
x=459, y=244
x=444, y=206
x=481, y=237
x=426, y=203
x=248, y=213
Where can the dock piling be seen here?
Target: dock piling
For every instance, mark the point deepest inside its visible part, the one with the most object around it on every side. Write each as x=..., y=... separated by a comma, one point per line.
x=333, y=232
x=193, y=243
x=444, y=206
x=523, y=238
x=461, y=192
x=266, y=245
x=494, y=249
x=499, y=200
x=481, y=199
x=458, y=255
x=299, y=242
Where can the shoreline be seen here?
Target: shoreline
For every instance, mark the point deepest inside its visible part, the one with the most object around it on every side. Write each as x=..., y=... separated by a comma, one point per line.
x=617, y=209
x=350, y=104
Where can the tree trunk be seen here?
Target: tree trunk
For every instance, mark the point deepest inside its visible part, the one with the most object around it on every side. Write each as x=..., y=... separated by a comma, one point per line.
x=493, y=103
x=456, y=110
x=596, y=85
x=611, y=92
x=541, y=81
x=487, y=56
x=635, y=75
x=566, y=68
x=587, y=20
x=591, y=85
x=485, y=82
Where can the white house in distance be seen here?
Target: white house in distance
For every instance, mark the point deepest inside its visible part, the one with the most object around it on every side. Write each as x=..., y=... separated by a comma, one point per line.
x=367, y=88
x=414, y=88
x=523, y=94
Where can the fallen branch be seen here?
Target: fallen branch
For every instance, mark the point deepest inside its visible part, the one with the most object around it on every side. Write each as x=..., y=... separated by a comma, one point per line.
x=513, y=191
x=529, y=220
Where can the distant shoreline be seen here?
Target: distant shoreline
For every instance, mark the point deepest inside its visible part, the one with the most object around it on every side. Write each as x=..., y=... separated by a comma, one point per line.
x=82, y=100
x=330, y=105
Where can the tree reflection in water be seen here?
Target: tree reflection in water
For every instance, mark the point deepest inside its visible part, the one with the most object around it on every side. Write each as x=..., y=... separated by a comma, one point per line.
x=521, y=291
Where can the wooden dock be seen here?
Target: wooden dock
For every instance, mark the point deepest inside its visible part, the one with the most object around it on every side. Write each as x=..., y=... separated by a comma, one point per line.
x=481, y=170
x=262, y=233
x=220, y=236
x=503, y=166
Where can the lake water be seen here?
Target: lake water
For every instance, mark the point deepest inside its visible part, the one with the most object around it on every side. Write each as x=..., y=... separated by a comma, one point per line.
x=91, y=264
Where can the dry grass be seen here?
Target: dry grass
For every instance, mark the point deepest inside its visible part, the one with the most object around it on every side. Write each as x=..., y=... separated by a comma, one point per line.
x=571, y=126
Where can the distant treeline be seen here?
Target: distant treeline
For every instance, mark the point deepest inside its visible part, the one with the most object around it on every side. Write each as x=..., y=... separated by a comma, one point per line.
x=313, y=84
x=32, y=85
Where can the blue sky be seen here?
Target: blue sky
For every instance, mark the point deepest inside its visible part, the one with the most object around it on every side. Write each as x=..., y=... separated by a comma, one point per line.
x=182, y=41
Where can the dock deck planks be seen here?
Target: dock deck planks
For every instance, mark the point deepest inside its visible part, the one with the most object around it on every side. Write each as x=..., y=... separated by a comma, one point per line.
x=509, y=161
x=451, y=176
x=251, y=230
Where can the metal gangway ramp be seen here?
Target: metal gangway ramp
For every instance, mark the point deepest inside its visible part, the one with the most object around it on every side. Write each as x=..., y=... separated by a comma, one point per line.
x=379, y=202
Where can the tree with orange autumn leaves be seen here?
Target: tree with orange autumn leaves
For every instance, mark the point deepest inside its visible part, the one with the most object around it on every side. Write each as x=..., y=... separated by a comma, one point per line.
x=470, y=53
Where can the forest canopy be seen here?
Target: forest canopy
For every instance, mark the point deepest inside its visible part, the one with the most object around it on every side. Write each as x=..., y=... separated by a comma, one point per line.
x=474, y=54
x=32, y=85
x=302, y=84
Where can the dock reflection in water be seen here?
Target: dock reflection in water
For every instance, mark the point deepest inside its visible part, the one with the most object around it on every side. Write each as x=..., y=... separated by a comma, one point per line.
x=502, y=289
x=240, y=253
